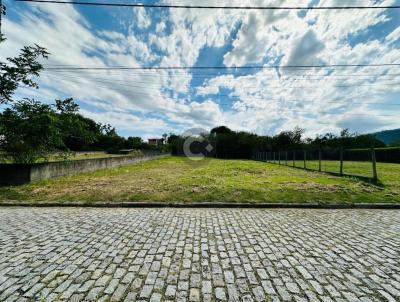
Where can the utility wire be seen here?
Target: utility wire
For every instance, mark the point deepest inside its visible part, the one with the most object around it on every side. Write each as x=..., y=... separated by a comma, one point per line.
x=224, y=67
x=150, y=85
x=211, y=7
x=131, y=89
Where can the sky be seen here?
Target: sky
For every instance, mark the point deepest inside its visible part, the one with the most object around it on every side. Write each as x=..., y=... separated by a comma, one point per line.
x=263, y=101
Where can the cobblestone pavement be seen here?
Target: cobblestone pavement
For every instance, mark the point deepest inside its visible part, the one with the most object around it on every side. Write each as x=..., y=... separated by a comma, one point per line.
x=199, y=255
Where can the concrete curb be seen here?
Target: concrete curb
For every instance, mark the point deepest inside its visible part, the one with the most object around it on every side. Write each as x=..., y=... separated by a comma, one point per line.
x=386, y=206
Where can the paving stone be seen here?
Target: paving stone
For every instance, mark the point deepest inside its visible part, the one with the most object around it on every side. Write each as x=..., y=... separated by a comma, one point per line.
x=170, y=292
x=220, y=294
x=199, y=255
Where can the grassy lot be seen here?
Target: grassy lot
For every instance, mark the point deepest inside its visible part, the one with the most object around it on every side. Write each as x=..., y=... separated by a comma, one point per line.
x=86, y=155
x=73, y=156
x=349, y=167
x=176, y=179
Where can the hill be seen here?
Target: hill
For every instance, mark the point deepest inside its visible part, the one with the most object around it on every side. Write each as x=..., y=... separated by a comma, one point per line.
x=389, y=136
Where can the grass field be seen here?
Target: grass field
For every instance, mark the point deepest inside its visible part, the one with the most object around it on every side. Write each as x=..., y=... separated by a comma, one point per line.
x=349, y=167
x=73, y=156
x=174, y=180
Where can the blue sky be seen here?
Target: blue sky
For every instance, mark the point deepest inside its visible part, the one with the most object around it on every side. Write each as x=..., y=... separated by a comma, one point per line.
x=264, y=101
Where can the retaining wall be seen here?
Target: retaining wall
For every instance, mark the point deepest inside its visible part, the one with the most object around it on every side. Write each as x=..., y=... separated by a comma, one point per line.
x=17, y=174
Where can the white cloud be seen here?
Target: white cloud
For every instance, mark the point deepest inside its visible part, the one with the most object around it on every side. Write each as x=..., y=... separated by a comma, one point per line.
x=264, y=102
x=142, y=18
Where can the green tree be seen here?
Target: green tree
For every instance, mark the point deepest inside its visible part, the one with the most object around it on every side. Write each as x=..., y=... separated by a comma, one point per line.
x=29, y=131
x=20, y=70
x=78, y=132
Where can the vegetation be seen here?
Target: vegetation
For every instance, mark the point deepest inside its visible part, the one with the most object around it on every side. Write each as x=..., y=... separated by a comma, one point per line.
x=177, y=179
x=20, y=70
x=31, y=131
x=230, y=144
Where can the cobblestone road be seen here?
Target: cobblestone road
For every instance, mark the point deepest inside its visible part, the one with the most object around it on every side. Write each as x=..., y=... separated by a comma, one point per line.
x=199, y=255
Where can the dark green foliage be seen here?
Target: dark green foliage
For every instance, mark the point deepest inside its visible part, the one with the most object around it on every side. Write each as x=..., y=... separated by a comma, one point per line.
x=20, y=70
x=347, y=140
x=229, y=144
x=29, y=131
x=78, y=132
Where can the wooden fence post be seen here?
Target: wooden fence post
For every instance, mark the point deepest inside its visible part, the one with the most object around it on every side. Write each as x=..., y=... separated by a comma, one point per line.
x=285, y=158
x=305, y=159
x=341, y=161
x=279, y=157
x=374, y=171
x=319, y=160
x=294, y=158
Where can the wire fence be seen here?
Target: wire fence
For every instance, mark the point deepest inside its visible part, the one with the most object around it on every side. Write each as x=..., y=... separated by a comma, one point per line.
x=342, y=162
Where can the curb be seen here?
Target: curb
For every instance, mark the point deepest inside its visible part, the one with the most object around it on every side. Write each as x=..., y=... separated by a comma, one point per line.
x=382, y=206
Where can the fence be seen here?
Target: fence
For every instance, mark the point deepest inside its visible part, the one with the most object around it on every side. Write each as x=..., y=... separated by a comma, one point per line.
x=341, y=162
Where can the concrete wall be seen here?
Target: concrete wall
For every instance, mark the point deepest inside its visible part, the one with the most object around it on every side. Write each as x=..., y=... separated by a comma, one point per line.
x=17, y=174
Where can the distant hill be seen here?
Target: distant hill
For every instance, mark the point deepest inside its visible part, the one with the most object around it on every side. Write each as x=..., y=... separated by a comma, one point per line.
x=389, y=136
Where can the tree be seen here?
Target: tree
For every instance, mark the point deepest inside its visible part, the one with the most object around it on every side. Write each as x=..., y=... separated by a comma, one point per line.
x=20, y=70
x=221, y=130
x=29, y=131
x=78, y=132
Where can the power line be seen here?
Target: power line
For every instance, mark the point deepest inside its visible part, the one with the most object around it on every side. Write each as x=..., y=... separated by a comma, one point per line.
x=211, y=7
x=223, y=67
x=281, y=80
x=148, y=85
x=131, y=88
x=221, y=73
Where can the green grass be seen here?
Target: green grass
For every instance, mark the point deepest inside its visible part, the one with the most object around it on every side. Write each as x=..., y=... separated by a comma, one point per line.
x=73, y=156
x=176, y=180
x=85, y=155
x=363, y=169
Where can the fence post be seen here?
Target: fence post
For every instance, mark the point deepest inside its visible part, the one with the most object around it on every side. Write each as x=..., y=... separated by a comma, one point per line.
x=374, y=172
x=294, y=158
x=320, y=160
x=279, y=157
x=341, y=161
x=285, y=158
x=305, y=159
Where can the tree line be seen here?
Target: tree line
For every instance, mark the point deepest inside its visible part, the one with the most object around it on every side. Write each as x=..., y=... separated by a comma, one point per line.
x=229, y=144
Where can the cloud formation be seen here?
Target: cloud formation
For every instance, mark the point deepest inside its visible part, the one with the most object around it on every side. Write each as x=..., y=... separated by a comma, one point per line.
x=260, y=100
